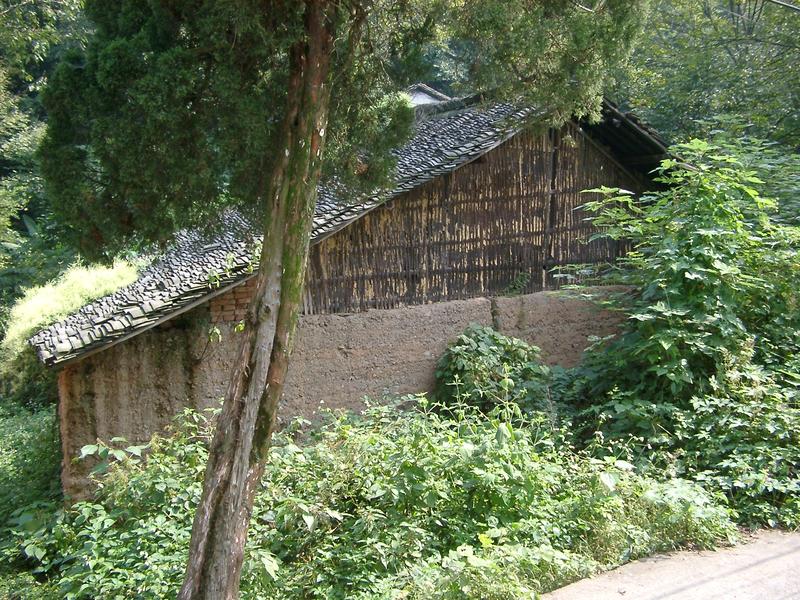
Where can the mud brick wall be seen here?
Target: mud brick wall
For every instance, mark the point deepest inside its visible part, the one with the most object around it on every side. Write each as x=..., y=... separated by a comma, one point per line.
x=136, y=388
x=231, y=307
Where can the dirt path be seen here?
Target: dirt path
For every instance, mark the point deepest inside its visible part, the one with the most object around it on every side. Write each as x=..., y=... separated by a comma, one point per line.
x=765, y=567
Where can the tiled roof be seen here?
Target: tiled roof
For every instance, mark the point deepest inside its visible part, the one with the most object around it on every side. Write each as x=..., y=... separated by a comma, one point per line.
x=198, y=267
x=423, y=94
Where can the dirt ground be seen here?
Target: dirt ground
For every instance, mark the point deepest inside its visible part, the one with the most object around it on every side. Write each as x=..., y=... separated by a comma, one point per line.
x=764, y=567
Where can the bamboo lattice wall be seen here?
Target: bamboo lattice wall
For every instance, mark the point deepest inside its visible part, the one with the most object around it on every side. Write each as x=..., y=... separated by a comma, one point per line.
x=473, y=232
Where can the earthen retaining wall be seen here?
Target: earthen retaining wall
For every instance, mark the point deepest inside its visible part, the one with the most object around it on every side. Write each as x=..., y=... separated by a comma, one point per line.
x=135, y=389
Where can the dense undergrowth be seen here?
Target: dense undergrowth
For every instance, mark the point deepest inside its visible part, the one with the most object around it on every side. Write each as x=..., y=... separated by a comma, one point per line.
x=29, y=478
x=29, y=458
x=702, y=381
x=394, y=504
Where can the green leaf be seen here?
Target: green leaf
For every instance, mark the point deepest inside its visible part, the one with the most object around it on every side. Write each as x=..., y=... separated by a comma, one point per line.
x=88, y=450
x=335, y=515
x=608, y=480
x=135, y=450
x=270, y=565
x=30, y=225
x=310, y=522
x=477, y=561
x=504, y=433
x=34, y=551
x=119, y=454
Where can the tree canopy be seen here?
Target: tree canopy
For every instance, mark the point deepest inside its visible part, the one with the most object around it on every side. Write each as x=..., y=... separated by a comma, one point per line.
x=169, y=114
x=703, y=65
x=31, y=33
x=32, y=36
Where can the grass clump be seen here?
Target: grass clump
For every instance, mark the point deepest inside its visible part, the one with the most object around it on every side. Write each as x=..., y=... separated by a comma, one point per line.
x=415, y=504
x=43, y=305
x=23, y=380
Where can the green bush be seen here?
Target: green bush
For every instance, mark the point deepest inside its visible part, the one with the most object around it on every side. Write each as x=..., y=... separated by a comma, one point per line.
x=26, y=382
x=30, y=458
x=29, y=482
x=395, y=504
x=32, y=257
x=701, y=383
x=704, y=380
x=484, y=368
x=23, y=586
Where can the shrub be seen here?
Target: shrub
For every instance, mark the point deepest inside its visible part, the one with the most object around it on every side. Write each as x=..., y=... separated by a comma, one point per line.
x=484, y=368
x=23, y=586
x=395, y=504
x=29, y=459
x=29, y=481
x=697, y=383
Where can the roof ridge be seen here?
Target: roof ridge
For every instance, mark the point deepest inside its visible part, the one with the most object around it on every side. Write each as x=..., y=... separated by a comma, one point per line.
x=426, y=89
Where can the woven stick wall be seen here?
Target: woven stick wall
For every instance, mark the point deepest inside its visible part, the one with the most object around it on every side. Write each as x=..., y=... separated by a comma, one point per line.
x=504, y=220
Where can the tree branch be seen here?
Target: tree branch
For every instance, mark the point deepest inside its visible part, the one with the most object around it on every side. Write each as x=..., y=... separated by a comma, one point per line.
x=14, y=7
x=785, y=5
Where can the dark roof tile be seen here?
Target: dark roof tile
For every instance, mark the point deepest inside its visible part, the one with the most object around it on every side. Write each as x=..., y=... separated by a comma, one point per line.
x=198, y=266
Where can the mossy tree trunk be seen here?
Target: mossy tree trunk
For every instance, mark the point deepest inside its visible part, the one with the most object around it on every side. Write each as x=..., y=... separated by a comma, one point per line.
x=239, y=449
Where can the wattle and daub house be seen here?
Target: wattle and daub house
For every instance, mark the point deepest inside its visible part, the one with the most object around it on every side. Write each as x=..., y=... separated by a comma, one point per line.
x=483, y=200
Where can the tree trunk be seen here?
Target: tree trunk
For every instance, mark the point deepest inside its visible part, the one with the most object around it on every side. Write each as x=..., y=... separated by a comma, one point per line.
x=241, y=441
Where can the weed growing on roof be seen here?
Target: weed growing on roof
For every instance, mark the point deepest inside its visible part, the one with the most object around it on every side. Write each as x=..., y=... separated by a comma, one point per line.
x=21, y=376
x=414, y=504
x=44, y=305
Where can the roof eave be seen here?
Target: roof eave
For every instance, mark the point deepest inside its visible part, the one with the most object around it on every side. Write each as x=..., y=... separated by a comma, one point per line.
x=70, y=358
